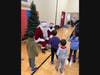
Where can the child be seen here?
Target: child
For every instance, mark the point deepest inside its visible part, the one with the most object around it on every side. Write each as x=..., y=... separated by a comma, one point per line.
x=54, y=42
x=73, y=46
x=61, y=53
x=32, y=52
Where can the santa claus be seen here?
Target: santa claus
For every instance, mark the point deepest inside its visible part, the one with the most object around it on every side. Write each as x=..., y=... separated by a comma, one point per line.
x=51, y=28
x=42, y=35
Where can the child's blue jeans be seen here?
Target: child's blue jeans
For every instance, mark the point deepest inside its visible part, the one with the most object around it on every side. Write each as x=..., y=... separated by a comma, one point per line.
x=32, y=62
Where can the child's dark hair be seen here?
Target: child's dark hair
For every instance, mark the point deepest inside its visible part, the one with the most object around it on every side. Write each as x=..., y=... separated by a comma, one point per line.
x=54, y=32
x=63, y=42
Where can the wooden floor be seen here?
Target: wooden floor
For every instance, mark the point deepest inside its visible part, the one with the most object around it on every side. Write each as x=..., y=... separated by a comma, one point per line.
x=47, y=68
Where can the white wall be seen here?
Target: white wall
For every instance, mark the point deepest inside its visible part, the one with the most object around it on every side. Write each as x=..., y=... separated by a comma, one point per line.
x=47, y=9
x=67, y=6
x=62, y=4
x=73, y=6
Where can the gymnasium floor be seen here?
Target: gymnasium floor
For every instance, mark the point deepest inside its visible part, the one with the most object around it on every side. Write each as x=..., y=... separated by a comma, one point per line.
x=46, y=68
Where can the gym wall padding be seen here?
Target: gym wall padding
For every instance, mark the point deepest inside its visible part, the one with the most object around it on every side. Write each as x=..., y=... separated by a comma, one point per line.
x=25, y=13
x=23, y=22
x=28, y=13
x=24, y=17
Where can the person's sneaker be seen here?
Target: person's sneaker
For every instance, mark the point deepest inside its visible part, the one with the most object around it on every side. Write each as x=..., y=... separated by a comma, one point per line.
x=74, y=61
x=52, y=62
x=61, y=71
x=34, y=69
x=56, y=68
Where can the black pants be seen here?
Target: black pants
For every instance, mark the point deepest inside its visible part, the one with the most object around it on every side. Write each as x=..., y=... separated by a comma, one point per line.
x=53, y=51
x=71, y=50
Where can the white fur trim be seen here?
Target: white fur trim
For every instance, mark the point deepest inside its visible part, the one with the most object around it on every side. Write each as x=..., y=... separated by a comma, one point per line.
x=39, y=39
x=42, y=40
x=44, y=31
x=47, y=38
x=51, y=36
x=42, y=47
x=51, y=29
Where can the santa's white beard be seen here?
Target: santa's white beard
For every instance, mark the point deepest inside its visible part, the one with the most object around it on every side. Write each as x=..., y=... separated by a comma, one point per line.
x=45, y=32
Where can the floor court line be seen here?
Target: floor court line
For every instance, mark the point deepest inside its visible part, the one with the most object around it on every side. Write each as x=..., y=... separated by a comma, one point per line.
x=41, y=64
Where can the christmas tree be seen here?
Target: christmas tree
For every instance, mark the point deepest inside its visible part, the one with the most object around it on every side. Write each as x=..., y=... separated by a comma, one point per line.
x=33, y=21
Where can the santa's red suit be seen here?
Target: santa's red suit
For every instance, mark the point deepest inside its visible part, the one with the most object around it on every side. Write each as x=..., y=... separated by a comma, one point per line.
x=42, y=35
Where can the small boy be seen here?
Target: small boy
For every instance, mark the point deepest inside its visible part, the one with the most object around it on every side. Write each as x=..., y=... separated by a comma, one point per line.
x=32, y=52
x=61, y=53
x=54, y=42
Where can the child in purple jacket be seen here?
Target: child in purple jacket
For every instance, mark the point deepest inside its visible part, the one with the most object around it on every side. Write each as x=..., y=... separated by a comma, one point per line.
x=54, y=42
